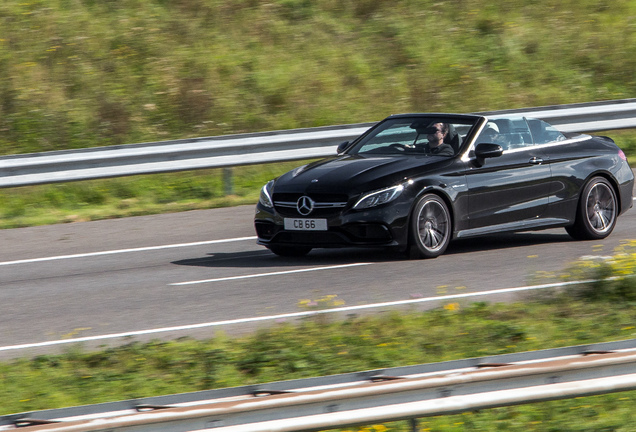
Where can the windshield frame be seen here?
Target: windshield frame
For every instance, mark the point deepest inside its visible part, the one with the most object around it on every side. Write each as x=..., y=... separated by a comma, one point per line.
x=410, y=133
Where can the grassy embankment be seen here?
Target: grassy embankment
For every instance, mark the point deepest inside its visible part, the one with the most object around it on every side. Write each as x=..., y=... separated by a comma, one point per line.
x=85, y=73
x=586, y=314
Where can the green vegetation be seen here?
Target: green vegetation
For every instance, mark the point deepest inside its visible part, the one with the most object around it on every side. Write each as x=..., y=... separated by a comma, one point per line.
x=602, y=311
x=86, y=73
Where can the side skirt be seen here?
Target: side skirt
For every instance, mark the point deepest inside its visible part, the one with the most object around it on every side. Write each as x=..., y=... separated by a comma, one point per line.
x=525, y=225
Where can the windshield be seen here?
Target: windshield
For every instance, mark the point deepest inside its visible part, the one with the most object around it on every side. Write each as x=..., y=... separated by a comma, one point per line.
x=435, y=136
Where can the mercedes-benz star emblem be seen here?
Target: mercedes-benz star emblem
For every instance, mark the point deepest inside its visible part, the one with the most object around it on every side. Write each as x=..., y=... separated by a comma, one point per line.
x=305, y=205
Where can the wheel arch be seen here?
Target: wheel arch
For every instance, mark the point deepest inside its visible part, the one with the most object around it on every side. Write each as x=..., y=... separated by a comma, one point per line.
x=444, y=196
x=583, y=227
x=612, y=181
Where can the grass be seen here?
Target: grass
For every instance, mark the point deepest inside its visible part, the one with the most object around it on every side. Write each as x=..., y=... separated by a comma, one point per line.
x=84, y=73
x=587, y=314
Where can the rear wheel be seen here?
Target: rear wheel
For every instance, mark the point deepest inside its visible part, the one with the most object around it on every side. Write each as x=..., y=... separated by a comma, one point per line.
x=596, y=212
x=430, y=230
x=289, y=251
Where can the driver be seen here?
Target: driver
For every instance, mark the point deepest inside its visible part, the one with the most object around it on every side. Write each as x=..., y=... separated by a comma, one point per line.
x=436, y=145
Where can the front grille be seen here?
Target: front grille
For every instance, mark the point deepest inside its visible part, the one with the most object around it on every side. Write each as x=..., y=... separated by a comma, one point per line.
x=325, y=205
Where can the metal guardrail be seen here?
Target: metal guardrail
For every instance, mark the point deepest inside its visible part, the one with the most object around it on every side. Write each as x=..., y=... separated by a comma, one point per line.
x=361, y=398
x=583, y=117
x=237, y=150
x=171, y=156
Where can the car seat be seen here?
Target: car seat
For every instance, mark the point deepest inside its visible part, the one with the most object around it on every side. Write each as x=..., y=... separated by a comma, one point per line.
x=453, y=138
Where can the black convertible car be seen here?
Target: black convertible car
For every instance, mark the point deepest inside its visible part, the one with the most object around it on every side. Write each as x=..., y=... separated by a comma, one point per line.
x=416, y=181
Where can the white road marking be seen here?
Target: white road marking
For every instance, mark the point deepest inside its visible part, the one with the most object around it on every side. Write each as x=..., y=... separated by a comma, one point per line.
x=119, y=251
x=278, y=273
x=287, y=315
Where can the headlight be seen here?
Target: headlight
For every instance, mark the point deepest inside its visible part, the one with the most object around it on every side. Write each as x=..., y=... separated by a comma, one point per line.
x=379, y=197
x=266, y=197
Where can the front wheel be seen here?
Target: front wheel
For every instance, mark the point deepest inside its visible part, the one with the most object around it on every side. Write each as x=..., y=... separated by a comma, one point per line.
x=430, y=231
x=596, y=212
x=289, y=251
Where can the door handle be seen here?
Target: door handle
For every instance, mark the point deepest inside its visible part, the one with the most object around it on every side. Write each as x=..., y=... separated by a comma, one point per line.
x=535, y=161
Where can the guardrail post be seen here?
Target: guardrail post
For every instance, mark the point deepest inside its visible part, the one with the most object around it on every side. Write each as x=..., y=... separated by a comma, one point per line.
x=228, y=185
x=414, y=425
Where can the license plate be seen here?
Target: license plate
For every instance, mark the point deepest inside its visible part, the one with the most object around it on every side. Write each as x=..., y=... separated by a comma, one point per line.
x=306, y=224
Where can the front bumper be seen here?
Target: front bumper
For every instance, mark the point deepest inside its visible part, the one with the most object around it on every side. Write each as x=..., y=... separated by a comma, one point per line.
x=383, y=226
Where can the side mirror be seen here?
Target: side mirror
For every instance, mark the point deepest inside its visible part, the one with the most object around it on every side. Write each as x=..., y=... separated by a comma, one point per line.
x=342, y=147
x=484, y=151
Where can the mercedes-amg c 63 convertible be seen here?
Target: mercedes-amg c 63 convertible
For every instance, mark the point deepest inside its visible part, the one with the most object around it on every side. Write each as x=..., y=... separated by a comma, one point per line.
x=415, y=182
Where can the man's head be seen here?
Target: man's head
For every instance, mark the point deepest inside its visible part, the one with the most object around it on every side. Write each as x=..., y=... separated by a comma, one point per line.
x=436, y=136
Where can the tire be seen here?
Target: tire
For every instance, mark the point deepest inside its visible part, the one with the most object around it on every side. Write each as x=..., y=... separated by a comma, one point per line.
x=430, y=231
x=289, y=251
x=596, y=211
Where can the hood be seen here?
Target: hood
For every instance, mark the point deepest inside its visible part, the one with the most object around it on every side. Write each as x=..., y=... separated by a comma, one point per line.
x=353, y=173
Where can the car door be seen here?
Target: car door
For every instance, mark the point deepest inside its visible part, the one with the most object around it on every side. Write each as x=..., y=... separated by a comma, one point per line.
x=508, y=191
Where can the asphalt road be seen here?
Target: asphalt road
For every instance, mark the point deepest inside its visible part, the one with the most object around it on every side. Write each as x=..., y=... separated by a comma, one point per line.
x=78, y=280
